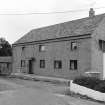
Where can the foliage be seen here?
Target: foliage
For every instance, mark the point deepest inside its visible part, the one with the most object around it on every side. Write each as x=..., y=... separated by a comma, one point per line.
x=5, y=48
x=89, y=82
x=100, y=87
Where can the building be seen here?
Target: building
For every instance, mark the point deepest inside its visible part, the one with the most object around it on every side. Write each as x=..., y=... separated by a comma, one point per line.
x=5, y=65
x=66, y=50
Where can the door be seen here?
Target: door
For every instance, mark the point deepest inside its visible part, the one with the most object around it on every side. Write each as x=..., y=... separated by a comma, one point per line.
x=31, y=67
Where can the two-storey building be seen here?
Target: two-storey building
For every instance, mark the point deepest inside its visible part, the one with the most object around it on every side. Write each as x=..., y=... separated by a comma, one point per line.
x=67, y=50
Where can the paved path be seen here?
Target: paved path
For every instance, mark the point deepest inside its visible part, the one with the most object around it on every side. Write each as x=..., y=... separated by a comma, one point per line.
x=23, y=92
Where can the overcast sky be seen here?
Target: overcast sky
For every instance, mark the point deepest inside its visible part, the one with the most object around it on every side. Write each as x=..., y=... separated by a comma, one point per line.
x=13, y=27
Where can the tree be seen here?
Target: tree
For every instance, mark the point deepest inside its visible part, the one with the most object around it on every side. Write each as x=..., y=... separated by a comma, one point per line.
x=5, y=48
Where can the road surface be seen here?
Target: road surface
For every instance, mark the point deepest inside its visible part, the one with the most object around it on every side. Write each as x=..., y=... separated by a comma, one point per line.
x=25, y=92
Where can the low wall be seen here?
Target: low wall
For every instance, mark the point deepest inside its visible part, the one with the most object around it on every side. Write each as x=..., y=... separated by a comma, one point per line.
x=86, y=91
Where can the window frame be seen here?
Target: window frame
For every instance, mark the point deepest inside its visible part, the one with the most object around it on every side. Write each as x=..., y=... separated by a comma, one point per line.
x=75, y=46
x=41, y=49
x=23, y=63
x=74, y=63
x=23, y=48
x=42, y=63
x=57, y=64
x=102, y=45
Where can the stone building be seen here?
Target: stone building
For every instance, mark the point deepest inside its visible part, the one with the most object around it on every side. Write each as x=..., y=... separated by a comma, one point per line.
x=66, y=50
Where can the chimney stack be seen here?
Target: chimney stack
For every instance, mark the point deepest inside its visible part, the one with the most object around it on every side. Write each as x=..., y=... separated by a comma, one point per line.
x=91, y=13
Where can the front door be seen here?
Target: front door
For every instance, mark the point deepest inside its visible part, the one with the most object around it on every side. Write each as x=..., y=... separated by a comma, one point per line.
x=31, y=67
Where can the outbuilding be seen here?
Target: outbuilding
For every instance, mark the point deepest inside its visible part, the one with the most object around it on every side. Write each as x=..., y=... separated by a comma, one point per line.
x=5, y=65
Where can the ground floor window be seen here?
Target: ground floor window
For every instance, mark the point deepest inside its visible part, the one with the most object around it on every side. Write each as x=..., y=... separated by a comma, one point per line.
x=73, y=65
x=57, y=64
x=42, y=63
x=22, y=63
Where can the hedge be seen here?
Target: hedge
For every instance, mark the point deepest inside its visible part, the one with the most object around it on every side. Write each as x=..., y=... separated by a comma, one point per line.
x=91, y=82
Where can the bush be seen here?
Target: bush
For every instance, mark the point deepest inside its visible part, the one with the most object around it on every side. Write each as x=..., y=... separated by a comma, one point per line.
x=89, y=82
x=100, y=87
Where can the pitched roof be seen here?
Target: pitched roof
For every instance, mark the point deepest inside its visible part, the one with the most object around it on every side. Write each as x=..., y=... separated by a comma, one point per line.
x=76, y=27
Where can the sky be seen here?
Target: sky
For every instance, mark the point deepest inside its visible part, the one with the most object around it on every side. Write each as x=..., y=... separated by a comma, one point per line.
x=17, y=17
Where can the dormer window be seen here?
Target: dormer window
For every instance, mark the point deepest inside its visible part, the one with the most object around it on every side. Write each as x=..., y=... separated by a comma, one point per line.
x=74, y=45
x=42, y=48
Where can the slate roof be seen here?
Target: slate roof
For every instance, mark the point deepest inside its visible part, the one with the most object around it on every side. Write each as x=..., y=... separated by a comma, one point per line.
x=76, y=27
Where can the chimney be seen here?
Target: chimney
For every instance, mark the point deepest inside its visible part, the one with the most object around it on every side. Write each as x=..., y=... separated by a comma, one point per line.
x=91, y=13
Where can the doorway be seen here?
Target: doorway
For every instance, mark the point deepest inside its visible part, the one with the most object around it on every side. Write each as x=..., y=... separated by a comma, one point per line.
x=31, y=67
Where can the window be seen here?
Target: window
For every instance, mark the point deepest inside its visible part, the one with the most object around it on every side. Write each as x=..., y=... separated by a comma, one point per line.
x=57, y=64
x=23, y=47
x=42, y=63
x=41, y=48
x=73, y=45
x=102, y=45
x=22, y=63
x=73, y=65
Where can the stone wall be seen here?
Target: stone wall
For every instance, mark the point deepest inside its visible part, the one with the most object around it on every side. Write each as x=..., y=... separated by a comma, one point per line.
x=59, y=50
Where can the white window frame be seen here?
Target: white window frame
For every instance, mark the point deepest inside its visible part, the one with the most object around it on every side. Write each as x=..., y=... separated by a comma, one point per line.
x=42, y=48
x=74, y=45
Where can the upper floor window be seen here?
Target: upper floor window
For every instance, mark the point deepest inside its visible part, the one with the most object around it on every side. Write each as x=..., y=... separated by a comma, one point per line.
x=23, y=47
x=74, y=45
x=42, y=48
x=57, y=64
